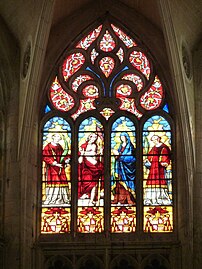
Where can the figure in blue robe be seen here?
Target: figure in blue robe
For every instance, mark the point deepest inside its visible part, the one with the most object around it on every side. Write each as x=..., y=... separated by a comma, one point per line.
x=123, y=180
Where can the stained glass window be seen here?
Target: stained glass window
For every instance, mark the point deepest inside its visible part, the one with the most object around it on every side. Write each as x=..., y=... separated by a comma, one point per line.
x=90, y=176
x=56, y=176
x=107, y=139
x=123, y=176
x=157, y=175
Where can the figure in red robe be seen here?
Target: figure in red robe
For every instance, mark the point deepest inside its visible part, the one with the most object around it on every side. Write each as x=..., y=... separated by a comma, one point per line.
x=90, y=170
x=156, y=191
x=57, y=192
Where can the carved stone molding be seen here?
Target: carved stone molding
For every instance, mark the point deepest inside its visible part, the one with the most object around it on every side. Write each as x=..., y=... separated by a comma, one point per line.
x=186, y=61
x=26, y=60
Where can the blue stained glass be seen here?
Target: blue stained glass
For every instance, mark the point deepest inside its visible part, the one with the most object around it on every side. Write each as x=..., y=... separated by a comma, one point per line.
x=47, y=109
x=123, y=162
x=159, y=121
x=165, y=108
x=56, y=123
x=90, y=124
x=125, y=68
x=123, y=120
x=89, y=69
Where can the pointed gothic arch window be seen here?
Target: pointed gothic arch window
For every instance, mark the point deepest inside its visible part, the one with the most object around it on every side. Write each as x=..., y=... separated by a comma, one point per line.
x=107, y=140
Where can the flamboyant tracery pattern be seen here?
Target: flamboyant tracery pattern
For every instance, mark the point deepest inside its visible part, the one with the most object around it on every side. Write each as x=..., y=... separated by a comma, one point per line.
x=106, y=85
x=111, y=61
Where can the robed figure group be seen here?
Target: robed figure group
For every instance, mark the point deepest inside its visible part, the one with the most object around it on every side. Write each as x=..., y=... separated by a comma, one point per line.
x=91, y=172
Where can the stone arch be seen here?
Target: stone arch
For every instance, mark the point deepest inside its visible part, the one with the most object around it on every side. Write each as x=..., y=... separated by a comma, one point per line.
x=87, y=19
x=155, y=261
x=58, y=262
x=89, y=262
x=123, y=261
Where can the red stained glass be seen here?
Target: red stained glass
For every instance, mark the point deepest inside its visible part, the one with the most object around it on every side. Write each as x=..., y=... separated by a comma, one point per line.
x=157, y=165
x=107, y=42
x=123, y=90
x=79, y=80
x=91, y=91
x=91, y=166
x=90, y=220
x=120, y=54
x=123, y=219
x=107, y=65
x=140, y=61
x=158, y=219
x=135, y=79
x=60, y=99
x=85, y=105
x=153, y=97
x=93, y=55
x=128, y=104
x=72, y=64
x=126, y=39
x=89, y=39
x=55, y=220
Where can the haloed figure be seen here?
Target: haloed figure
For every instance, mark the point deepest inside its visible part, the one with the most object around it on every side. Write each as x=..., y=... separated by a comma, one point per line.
x=123, y=180
x=158, y=160
x=90, y=169
x=56, y=180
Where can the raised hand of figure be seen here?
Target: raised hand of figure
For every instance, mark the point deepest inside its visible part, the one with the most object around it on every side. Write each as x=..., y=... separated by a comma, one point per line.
x=57, y=164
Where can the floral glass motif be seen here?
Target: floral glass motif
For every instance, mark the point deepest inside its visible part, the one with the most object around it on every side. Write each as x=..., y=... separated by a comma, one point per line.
x=128, y=104
x=123, y=90
x=123, y=176
x=107, y=42
x=85, y=105
x=107, y=65
x=153, y=97
x=56, y=176
x=90, y=176
x=120, y=54
x=79, y=80
x=157, y=175
x=60, y=99
x=125, y=38
x=72, y=64
x=93, y=55
x=140, y=61
x=89, y=39
x=135, y=79
x=90, y=91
